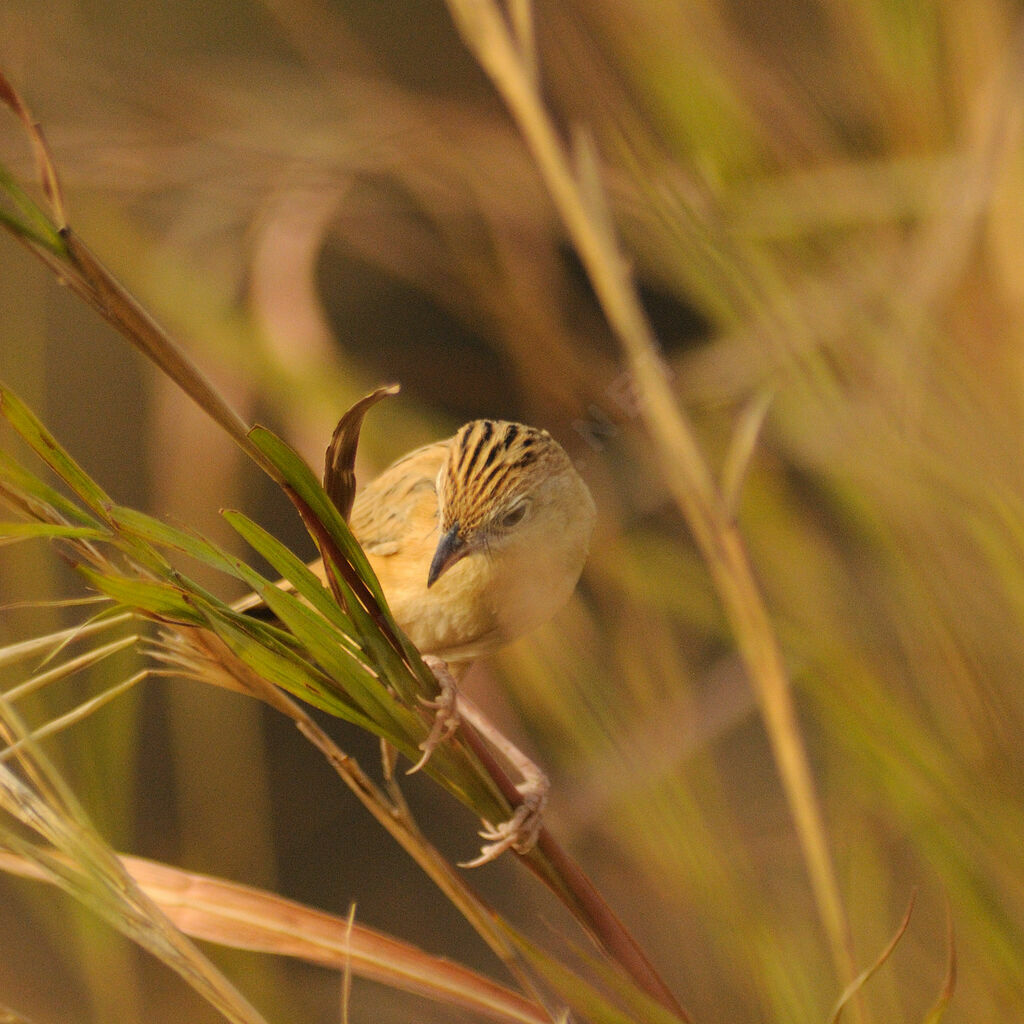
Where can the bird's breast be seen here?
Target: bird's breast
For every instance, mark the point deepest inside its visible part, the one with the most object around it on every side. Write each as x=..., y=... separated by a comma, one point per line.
x=454, y=618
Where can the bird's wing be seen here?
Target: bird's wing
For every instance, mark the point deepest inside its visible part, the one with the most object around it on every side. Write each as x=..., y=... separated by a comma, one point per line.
x=397, y=512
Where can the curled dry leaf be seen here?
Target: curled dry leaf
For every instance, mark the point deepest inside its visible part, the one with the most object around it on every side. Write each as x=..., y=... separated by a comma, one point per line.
x=339, y=464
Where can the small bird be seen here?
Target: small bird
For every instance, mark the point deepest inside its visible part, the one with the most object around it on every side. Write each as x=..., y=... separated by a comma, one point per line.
x=478, y=539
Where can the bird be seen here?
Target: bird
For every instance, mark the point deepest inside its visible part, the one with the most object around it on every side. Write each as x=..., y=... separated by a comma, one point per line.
x=477, y=539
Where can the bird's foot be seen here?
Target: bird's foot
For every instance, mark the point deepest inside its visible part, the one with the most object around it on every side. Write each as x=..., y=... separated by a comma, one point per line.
x=521, y=831
x=445, y=708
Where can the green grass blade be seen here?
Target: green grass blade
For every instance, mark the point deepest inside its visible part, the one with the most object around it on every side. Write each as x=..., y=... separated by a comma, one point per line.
x=340, y=683
x=153, y=598
x=306, y=486
x=33, y=224
x=376, y=628
x=10, y=532
x=331, y=648
x=379, y=649
x=45, y=445
x=32, y=493
x=336, y=652
x=291, y=568
x=155, y=532
x=280, y=665
x=325, y=646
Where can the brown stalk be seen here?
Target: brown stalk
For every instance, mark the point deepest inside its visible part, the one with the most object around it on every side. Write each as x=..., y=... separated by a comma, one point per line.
x=564, y=877
x=575, y=187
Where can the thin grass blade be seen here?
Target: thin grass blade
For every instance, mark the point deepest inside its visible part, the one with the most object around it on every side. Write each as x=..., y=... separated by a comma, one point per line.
x=153, y=598
x=154, y=531
x=53, y=643
x=37, y=498
x=46, y=446
x=862, y=979
x=12, y=532
x=938, y=1010
x=85, y=660
x=77, y=714
x=291, y=568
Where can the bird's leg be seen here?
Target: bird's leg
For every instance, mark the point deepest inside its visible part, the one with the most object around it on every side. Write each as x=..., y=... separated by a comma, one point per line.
x=520, y=832
x=445, y=707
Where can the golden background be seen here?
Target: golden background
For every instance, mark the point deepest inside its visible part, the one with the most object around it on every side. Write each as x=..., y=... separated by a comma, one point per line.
x=822, y=201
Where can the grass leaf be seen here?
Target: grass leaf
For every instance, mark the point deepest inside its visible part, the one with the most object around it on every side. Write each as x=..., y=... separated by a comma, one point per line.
x=154, y=598
x=290, y=567
x=301, y=480
x=45, y=445
x=353, y=575
x=33, y=495
x=861, y=980
x=256, y=645
x=12, y=532
x=332, y=653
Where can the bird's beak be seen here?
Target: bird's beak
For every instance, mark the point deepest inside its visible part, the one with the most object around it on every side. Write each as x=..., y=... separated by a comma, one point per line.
x=450, y=549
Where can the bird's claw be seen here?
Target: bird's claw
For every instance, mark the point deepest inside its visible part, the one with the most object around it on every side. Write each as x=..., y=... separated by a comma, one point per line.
x=521, y=831
x=445, y=708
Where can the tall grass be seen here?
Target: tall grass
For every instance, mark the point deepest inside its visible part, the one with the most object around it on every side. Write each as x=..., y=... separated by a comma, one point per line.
x=820, y=206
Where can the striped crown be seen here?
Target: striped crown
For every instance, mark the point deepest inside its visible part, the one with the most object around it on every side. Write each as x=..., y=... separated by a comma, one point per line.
x=493, y=465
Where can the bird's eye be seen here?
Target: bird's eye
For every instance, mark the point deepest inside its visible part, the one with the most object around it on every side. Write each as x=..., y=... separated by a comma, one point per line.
x=513, y=517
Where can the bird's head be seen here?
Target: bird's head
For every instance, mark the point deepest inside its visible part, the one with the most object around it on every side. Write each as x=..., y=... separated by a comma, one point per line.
x=506, y=486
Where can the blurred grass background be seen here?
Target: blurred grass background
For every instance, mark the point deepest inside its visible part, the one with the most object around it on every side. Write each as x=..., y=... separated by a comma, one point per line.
x=822, y=199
